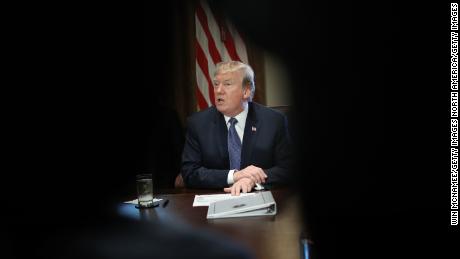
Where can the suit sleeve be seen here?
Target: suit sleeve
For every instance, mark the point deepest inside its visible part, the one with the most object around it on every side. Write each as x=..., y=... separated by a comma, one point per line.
x=193, y=172
x=283, y=156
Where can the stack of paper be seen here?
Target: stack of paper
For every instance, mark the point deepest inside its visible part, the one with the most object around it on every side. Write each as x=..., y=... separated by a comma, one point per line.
x=205, y=200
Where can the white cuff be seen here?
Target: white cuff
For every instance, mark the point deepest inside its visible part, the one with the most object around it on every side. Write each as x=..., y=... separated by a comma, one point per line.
x=230, y=179
x=259, y=187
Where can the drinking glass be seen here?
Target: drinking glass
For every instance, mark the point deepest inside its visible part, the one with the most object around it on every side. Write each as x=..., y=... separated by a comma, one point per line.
x=144, y=190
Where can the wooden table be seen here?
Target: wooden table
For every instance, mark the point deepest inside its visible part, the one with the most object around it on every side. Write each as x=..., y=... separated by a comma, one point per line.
x=267, y=236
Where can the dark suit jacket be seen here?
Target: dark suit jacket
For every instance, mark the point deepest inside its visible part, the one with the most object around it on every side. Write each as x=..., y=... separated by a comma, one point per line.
x=266, y=144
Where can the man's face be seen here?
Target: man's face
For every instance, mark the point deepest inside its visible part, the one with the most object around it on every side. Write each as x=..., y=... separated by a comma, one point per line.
x=229, y=94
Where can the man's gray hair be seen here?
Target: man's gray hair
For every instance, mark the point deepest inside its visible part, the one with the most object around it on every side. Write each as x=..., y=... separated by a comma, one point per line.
x=248, y=73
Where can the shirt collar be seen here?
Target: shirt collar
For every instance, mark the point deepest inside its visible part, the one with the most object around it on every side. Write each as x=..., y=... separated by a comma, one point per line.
x=241, y=117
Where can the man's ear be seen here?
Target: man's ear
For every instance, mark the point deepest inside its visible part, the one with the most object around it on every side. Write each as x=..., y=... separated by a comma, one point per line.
x=246, y=92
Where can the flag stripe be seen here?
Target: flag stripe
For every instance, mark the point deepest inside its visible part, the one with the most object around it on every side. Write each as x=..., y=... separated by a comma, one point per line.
x=202, y=84
x=228, y=42
x=216, y=33
x=202, y=104
x=211, y=44
x=203, y=43
x=203, y=65
x=228, y=39
x=239, y=44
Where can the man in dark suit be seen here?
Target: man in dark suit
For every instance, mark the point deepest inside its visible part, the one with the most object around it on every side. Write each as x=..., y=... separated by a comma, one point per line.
x=235, y=143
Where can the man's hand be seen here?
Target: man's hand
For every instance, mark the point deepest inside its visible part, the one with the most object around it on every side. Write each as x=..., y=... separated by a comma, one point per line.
x=256, y=174
x=244, y=185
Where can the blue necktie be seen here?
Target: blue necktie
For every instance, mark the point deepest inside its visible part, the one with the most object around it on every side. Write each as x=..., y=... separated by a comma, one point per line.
x=234, y=145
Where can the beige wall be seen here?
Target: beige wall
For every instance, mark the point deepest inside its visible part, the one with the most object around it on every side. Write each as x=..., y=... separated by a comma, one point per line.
x=277, y=83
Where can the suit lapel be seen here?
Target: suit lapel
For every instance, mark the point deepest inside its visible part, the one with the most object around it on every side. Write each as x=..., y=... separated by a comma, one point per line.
x=222, y=132
x=250, y=136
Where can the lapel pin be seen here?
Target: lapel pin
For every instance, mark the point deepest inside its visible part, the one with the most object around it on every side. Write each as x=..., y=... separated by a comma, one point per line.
x=254, y=129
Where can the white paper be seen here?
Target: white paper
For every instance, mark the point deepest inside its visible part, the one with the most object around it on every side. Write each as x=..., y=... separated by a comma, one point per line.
x=136, y=202
x=205, y=200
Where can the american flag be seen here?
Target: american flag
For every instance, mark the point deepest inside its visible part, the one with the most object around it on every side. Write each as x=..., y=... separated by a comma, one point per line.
x=216, y=40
